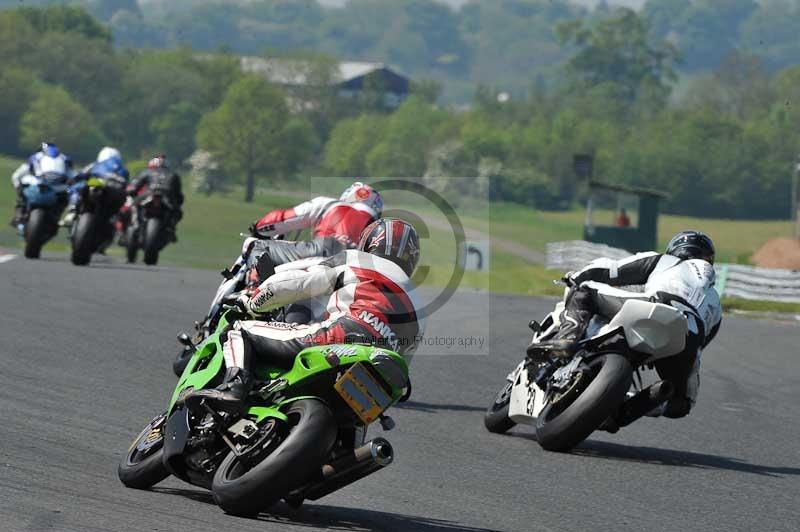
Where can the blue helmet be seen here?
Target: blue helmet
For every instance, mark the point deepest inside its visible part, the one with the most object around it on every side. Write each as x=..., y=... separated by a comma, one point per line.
x=50, y=149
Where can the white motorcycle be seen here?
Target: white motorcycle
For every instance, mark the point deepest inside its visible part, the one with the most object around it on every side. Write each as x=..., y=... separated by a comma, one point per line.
x=567, y=399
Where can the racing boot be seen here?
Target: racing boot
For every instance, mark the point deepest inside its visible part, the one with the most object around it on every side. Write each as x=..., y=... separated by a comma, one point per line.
x=69, y=216
x=19, y=213
x=228, y=396
x=237, y=383
x=574, y=319
x=648, y=402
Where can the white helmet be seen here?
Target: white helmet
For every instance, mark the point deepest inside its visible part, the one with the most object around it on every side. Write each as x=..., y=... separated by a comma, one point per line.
x=107, y=153
x=358, y=192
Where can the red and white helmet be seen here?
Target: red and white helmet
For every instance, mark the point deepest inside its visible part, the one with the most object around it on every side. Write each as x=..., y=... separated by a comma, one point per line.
x=358, y=192
x=392, y=239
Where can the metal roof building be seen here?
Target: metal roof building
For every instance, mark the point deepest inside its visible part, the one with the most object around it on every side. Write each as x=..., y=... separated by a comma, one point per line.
x=351, y=77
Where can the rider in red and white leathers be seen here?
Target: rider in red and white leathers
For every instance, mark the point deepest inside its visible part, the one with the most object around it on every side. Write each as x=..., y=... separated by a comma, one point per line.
x=336, y=225
x=369, y=300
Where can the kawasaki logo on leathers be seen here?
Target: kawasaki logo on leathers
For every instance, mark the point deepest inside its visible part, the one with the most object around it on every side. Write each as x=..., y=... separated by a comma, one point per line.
x=382, y=329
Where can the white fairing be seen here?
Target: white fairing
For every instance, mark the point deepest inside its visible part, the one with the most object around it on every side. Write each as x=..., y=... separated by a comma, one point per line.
x=652, y=328
x=527, y=399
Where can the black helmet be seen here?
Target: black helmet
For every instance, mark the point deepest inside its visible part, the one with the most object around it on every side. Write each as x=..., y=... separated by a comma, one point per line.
x=392, y=239
x=691, y=245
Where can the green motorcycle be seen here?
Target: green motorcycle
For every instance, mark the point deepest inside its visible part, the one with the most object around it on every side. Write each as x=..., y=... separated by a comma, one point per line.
x=300, y=436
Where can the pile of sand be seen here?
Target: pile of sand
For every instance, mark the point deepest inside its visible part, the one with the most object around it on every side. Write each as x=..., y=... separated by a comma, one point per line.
x=778, y=253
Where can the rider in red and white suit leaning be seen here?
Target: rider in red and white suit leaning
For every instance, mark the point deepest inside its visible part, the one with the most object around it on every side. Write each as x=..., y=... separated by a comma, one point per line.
x=336, y=225
x=370, y=300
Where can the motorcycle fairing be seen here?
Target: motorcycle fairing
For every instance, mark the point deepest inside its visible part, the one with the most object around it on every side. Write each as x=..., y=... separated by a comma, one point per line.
x=207, y=363
x=654, y=329
x=527, y=399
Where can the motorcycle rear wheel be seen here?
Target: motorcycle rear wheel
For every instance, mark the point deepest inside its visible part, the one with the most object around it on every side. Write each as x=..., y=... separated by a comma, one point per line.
x=131, y=244
x=35, y=233
x=83, y=240
x=246, y=491
x=561, y=428
x=152, y=240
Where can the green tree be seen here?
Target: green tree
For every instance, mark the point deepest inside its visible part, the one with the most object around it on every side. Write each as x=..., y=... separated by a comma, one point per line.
x=410, y=133
x=54, y=116
x=16, y=93
x=173, y=131
x=65, y=19
x=709, y=30
x=250, y=131
x=350, y=142
x=88, y=68
x=618, y=50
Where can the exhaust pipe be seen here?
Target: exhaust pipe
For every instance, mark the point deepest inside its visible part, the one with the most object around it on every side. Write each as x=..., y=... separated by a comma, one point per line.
x=363, y=461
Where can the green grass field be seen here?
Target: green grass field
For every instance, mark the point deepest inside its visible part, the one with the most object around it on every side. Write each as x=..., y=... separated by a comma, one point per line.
x=209, y=237
x=736, y=240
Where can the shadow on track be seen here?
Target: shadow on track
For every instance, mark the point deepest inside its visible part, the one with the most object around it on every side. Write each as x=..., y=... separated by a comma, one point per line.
x=656, y=456
x=317, y=517
x=121, y=266
x=434, y=407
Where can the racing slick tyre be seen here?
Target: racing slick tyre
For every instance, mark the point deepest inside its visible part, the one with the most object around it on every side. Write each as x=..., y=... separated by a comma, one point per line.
x=131, y=244
x=83, y=240
x=35, y=233
x=300, y=448
x=141, y=467
x=565, y=423
x=496, y=418
x=152, y=241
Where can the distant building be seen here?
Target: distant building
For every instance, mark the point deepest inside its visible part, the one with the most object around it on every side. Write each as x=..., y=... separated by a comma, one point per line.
x=351, y=78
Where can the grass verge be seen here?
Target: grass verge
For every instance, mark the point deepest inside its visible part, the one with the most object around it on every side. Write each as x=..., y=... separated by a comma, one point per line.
x=208, y=239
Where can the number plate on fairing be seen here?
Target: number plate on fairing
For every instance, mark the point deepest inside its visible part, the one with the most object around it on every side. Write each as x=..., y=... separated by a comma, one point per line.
x=527, y=399
x=362, y=392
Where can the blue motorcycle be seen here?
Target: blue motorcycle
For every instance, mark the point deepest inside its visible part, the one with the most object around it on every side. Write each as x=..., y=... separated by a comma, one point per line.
x=45, y=198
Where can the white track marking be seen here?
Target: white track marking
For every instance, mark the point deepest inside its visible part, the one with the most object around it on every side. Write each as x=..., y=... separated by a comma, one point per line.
x=6, y=258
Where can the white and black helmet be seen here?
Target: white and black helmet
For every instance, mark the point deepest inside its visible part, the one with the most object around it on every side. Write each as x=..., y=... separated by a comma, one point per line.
x=692, y=245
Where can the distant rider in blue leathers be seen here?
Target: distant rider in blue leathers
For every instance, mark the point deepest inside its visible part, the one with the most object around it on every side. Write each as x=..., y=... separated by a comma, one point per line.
x=48, y=156
x=108, y=166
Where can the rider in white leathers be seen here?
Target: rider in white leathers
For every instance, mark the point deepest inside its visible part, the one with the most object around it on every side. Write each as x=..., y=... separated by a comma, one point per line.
x=682, y=277
x=48, y=159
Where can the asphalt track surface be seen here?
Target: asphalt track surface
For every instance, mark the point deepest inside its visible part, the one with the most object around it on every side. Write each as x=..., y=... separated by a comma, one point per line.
x=85, y=356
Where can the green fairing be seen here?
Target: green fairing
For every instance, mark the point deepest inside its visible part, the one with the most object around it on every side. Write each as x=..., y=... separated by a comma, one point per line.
x=311, y=361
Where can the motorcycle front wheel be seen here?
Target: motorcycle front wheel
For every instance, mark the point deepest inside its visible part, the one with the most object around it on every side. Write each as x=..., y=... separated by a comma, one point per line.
x=596, y=393
x=496, y=418
x=306, y=440
x=182, y=360
x=142, y=467
x=83, y=239
x=35, y=233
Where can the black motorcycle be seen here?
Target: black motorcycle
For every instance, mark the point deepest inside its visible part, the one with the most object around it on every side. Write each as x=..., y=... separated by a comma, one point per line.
x=148, y=226
x=92, y=230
